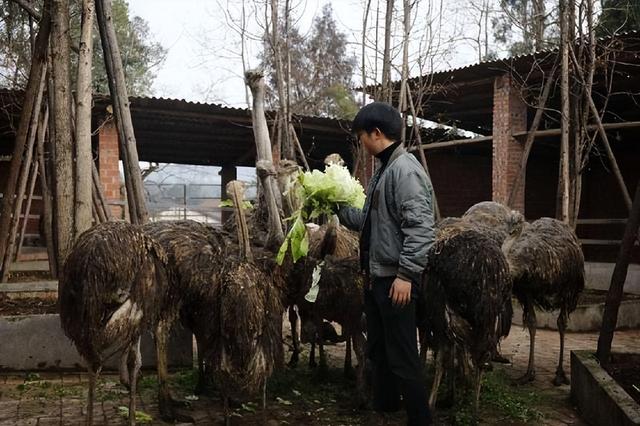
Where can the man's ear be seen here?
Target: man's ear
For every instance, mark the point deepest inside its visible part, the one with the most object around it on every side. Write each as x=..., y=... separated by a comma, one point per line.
x=377, y=133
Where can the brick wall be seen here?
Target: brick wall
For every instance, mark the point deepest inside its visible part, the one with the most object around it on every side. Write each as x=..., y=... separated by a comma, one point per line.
x=108, y=157
x=460, y=178
x=509, y=116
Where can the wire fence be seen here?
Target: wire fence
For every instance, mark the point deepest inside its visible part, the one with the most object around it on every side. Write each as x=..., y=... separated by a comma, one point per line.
x=180, y=201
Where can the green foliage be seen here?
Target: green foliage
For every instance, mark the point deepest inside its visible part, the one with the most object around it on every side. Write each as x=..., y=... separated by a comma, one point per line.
x=141, y=55
x=618, y=16
x=321, y=69
x=321, y=194
x=526, y=26
x=229, y=203
x=141, y=417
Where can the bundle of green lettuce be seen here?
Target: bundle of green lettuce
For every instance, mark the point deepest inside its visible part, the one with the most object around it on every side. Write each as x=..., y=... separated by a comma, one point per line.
x=320, y=193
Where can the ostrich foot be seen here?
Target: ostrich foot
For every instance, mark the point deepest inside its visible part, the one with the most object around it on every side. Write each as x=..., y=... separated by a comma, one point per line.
x=500, y=359
x=168, y=413
x=560, y=379
x=528, y=377
x=293, y=361
x=349, y=372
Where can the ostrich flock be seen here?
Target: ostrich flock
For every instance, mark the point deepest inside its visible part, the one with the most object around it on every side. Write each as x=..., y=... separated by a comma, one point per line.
x=121, y=280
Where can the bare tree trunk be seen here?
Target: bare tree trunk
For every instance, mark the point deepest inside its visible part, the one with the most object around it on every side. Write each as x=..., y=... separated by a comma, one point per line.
x=364, y=44
x=283, y=115
x=29, y=110
x=264, y=163
x=387, y=93
x=117, y=87
x=402, y=101
x=564, y=88
x=63, y=137
x=83, y=180
x=614, y=296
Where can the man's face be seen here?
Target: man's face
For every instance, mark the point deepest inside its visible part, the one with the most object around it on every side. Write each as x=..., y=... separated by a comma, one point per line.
x=370, y=141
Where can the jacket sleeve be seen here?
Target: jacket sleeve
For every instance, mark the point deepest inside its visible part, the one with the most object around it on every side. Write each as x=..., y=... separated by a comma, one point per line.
x=351, y=217
x=414, y=202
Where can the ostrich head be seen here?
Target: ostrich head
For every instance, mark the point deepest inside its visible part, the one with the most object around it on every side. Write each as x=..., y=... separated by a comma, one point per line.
x=288, y=172
x=515, y=223
x=334, y=158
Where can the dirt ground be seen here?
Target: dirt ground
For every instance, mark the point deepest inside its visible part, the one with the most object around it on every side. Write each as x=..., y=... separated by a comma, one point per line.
x=302, y=396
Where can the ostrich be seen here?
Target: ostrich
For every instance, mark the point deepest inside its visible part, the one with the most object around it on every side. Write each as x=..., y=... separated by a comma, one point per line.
x=196, y=254
x=114, y=285
x=248, y=342
x=465, y=289
x=547, y=267
x=333, y=253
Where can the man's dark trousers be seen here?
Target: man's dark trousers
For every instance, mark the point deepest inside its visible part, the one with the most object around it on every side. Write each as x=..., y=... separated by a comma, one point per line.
x=393, y=349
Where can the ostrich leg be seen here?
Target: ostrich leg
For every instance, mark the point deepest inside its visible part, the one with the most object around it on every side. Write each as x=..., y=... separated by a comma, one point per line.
x=359, y=349
x=124, y=369
x=202, y=371
x=324, y=369
x=134, y=362
x=295, y=339
x=436, y=379
x=165, y=401
x=93, y=378
x=529, y=316
x=561, y=377
x=477, y=385
x=312, y=355
x=348, y=372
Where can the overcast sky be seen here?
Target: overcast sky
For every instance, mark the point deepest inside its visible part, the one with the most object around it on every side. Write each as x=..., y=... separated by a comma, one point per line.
x=203, y=62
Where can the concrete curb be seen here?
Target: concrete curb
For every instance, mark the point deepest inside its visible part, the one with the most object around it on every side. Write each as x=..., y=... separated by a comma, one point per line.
x=600, y=400
x=37, y=343
x=585, y=317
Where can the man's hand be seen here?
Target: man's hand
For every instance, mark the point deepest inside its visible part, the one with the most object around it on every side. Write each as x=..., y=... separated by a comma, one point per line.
x=400, y=292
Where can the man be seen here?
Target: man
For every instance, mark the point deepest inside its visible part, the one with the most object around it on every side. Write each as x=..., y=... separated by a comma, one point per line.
x=396, y=229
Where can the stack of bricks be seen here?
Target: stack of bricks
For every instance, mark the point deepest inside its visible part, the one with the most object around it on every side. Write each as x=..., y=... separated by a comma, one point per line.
x=109, y=156
x=509, y=117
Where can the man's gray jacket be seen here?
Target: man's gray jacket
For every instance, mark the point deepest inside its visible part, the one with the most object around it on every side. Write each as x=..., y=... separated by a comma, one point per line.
x=400, y=201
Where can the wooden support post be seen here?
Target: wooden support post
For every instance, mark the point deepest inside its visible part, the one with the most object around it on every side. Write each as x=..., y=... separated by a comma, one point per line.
x=264, y=164
x=33, y=176
x=23, y=180
x=521, y=176
x=29, y=109
x=117, y=87
x=423, y=158
x=603, y=135
x=614, y=296
x=227, y=174
x=99, y=193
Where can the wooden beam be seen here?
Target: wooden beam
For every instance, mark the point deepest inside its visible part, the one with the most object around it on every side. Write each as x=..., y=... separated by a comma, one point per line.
x=591, y=127
x=618, y=221
x=457, y=142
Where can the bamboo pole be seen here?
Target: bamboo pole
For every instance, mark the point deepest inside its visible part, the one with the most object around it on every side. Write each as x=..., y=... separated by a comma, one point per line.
x=29, y=109
x=117, y=87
